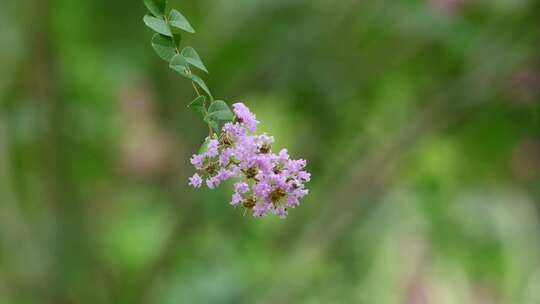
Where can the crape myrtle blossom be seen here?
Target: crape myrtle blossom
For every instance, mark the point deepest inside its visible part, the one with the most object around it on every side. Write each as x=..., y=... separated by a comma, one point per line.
x=195, y=181
x=266, y=183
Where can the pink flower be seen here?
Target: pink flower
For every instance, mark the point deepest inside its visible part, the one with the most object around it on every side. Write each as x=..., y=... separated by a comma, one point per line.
x=244, y=115
x=241, y=187
x=266, y=183
x=197, y=161
x=195, y=181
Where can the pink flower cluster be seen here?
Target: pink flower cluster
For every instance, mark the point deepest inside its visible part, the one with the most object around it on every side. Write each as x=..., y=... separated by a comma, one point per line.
x=265, y=183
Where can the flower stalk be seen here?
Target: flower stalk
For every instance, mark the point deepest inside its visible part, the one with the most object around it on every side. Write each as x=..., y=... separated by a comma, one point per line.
x=265, y=183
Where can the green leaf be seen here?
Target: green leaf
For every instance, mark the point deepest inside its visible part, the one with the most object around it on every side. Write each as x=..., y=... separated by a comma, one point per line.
x=220, y=111
x=157, y=24
x=164, y=47
x=212, y=122
x=198, y=105
x=180, y=65
x=156, y=7
x=204, y=146
x=201, y=84
x=193, y=58
x=176, y=19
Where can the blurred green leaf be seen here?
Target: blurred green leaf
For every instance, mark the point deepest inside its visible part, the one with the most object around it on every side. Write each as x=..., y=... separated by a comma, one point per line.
x=201, y=84
x=158, y=25
x=204, y=146
x=164, y=47
x=156, y=7
x=176, y=19
x=213, y=122
x=220, y=111
x=136, y=223
x=180, y=65
x=193, y=58
x=197, y=105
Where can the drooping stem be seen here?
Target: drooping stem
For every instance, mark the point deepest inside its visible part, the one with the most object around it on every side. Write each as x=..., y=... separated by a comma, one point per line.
x=210, y=131
x=195, y=87
x=189, y=73
x=187, y=67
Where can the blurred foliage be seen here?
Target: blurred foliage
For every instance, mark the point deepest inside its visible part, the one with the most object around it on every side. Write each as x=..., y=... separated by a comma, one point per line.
x=420, y=121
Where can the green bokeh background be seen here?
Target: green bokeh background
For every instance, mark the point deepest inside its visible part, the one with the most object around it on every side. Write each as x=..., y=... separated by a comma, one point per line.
x=420, y=121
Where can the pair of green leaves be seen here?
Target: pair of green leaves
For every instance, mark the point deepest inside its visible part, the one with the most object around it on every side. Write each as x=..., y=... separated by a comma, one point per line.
x=166, y=25
x=217, y=112
x=180, y=64
x=167, y=48
x=163, y=24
